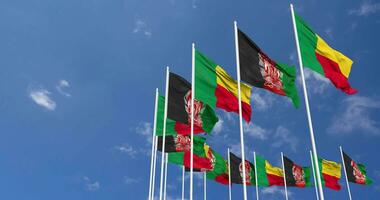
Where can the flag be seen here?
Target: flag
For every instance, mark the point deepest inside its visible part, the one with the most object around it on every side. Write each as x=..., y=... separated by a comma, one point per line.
x=219, y=170
x=179, y=143
x=320, y=57
x=331, y=173
x=218, y=89
x=236, y=171
x=296, y=175
x=267, y=175
x=356, y=173
x=201, y=159
x=179, y=106
x=258, y=70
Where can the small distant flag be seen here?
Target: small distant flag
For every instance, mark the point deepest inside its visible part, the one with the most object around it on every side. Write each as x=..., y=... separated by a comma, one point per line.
x=179, y=143
x=258, y=70
x=318, y=56
x=219, y=170
x=296, y=175
x=215, y=87
x=331, y=173
x=201, y=158
x=268, y=175
x=236, y=168
x=356, y=173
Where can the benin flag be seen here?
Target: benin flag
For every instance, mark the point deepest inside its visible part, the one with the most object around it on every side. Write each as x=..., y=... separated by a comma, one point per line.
x=258, y=70
x=320, y=57
x=179, y=106
x=216, y=88
x=236, y=168
x=179, y=143
x=356, y=173
x=296, y=175
x=219, y=170
x=331, y=173
x=267, y=175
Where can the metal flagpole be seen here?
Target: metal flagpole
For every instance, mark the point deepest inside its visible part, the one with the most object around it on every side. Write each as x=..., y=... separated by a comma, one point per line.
x=314, y=148
x=183, y=182
x=240, y=110
x=229, y=175
x=283, y=169
x=154, y=166
x=153, y=145
x=204, y=186
x=256, y=179
x=345, y=173
x=164, y=132
x=166, y=174
x=192, y=118
x=315, y=178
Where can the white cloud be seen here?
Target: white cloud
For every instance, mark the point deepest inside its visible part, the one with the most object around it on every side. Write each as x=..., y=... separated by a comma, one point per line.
x=129, y=180
x=356, y=115
x=275, y=191
x=62, y=84
x=262, y=100
x=127, y=149
x=329, y=32
x=218, y=126
x=41, y=97
x=315, y=82
x=145, y=129
x=283, y=137
x=365, y=9
x=142, y=27
x=256, y=131
x=91, y=185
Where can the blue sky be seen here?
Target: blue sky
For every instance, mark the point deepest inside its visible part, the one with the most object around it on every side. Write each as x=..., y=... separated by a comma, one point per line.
x=78, y=78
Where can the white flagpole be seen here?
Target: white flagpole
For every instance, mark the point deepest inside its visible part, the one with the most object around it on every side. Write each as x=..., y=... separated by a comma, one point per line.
x=166, y=174
x=229, y=175
x=314, y=148
x=240, y=110
x=183, y=182
x=204, y=186
x=153, y=145
x=314, y=177
x=283, y=169
x=154, y=166
x=256, y=179
x=345, y=172
x=192, y=118
x=164, y=132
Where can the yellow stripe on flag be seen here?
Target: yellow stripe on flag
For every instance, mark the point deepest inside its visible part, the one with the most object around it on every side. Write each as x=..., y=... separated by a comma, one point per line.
x=276, y=171
x=331, y=168
x=226, y=81
x=343, y=61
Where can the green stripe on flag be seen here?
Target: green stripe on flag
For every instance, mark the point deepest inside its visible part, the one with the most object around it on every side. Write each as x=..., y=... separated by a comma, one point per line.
x=262, y=178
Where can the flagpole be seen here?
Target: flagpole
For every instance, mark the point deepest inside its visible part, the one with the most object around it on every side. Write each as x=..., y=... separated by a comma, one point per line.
x=153, y=140
x=166, y=174
x=154, y=166
x=315, y=178
x=283, y=169
x=240, y=111
x=256, y=179
x=204, y=186
x=345, y=172
x=314, y=148
x=164, y=132
x=229, y=175
x=192, y=118
x=183, y=182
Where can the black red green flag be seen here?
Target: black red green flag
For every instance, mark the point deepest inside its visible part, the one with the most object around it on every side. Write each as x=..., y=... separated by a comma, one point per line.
x=356, y=173
x=179, y=143
x=258, y=70
x=236, y=172
x=179, y=105
x=296, y=175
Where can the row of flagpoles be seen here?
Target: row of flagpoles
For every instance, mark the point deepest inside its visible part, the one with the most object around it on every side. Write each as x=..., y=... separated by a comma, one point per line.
x=164, y=156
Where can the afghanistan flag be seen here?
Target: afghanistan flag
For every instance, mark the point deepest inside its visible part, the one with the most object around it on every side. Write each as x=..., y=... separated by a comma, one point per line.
x=219, y=170
x=201, y=159
x=179, y=143
x=320, y=57
x=267, y=175
x=296, y=175
x=356, y=173
x=331, y=173
x=258, y=70
x=236, y=168
x=179, y=107
x=216, y=88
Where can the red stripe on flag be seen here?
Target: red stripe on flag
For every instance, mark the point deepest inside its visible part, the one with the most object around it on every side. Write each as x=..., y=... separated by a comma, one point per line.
x=331, y=182
x=185, y=129
x=275, y=180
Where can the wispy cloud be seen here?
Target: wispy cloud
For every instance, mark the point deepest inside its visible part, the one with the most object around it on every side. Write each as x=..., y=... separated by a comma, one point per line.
x=41, y=97
x=256, y=131
x=272, y=191
x=329, y=32
x=218, y=126
x=127, y=149
x=142, y=27
x=283, y=137
x=194, y=4
x=356, y=115
x=145, y=129
x=316, y=83
x=130, y=180
x=62, y=84
x=91, y=185
x=262, y=100
x=366, y=8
